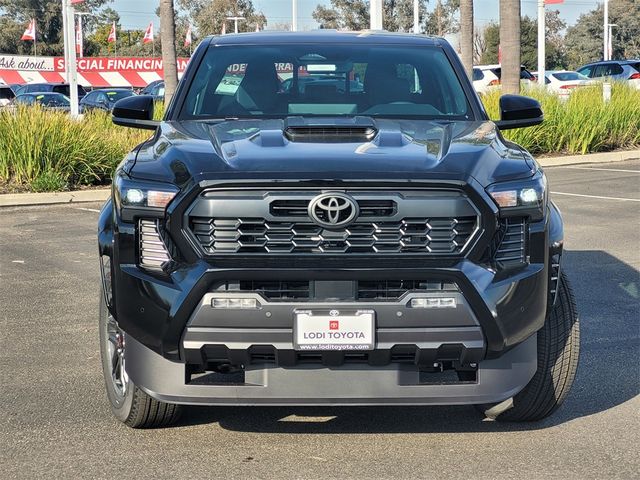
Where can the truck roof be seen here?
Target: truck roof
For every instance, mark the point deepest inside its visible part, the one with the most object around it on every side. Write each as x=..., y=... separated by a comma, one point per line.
x=326, y=36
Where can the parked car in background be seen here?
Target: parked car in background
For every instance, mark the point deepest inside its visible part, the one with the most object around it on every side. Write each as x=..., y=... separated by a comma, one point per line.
x=487, y=77
x=623, y=70
x=103, y=99
x=47, y=100
x=6, y=95
x=155, y=88
x=62, y=88
x=563, y=82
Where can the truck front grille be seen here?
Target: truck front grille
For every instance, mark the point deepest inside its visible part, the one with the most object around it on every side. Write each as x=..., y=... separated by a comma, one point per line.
x=437, y=236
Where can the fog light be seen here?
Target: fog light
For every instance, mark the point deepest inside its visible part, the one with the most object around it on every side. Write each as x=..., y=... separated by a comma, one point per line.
x=235, y=303
x=440, y=302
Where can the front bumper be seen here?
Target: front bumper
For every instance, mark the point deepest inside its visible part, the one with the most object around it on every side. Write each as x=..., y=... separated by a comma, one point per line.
x=165, y=380
x=171, y=329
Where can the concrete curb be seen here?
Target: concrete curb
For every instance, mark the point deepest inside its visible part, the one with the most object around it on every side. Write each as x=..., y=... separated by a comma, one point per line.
x=100, y=195
x=80, y=196
x=604, y=157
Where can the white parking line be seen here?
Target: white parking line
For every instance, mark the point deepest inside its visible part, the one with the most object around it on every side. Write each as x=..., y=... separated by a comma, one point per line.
x=597, y=196
x=88, y=209
x=601, y=169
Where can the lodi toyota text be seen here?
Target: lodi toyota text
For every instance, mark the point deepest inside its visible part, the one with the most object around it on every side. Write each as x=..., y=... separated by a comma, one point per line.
x=330, y=218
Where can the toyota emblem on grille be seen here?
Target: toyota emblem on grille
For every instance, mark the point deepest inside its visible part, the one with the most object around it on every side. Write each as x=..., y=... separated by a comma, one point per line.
x=333, y=210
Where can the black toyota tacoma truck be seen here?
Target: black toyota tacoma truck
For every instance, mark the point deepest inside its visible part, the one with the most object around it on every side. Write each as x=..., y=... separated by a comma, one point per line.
x=331, y=218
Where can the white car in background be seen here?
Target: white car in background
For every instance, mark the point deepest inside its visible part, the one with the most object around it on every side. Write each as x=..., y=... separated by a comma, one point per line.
x=488, y=77
x=563, y=82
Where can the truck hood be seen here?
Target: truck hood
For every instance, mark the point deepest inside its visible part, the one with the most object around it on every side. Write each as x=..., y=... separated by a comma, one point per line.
x=182, y=152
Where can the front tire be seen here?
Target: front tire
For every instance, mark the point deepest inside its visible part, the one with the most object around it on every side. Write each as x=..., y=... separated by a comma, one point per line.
x=129, y=404
x=558, y=353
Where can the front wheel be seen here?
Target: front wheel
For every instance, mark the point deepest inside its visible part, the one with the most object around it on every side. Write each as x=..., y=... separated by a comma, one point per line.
x=129, y=404
x=558, y=352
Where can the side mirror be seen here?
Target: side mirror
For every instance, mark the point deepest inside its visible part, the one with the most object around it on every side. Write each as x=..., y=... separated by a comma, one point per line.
x=135, y=112
x=517, y=111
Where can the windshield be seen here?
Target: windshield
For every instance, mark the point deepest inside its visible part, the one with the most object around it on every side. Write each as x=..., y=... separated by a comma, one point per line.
x=569, y=76
x=116, y=95
x=55, y=100
x=276, y=81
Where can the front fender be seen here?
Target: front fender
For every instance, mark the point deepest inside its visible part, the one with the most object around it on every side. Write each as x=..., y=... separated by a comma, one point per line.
x=106, y=252
x=105, y=229
x=556, y=244
x=556, y=230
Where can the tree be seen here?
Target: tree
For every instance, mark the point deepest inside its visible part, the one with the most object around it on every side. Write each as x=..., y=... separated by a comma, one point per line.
x=398, y=16
x=48, y=15
x=466, y=35
x=491, y=44
x=209, y=16
x=168, y=38
x=442, y=20
x=555, y=56
x=583, y=41
x=345, y=15
x=625, y=37
x=510, y=45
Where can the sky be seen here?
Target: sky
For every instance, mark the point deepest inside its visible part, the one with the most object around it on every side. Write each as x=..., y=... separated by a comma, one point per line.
x=138, y=13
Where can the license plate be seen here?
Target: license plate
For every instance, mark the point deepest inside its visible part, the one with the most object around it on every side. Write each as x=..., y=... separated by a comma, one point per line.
x=334, y=330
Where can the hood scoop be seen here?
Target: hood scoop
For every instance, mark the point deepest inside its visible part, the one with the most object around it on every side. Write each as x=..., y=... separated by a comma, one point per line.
x=356, y=130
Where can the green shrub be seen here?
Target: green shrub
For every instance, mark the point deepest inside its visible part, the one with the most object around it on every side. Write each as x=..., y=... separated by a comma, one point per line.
x=582, y=124
x=47, y=150
x=39, y=144
x=49, y=182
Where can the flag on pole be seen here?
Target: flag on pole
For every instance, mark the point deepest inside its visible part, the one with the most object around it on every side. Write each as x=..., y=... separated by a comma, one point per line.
x=187, y=39
x=30, y=32
x=148, y=34
x=551, y=2
x=224, y=28
x=79, y=39
x=112, y=34
x=75, y=2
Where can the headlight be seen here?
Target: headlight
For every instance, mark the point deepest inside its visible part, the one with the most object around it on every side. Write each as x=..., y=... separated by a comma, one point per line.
x=521, y=198
x=142, y=198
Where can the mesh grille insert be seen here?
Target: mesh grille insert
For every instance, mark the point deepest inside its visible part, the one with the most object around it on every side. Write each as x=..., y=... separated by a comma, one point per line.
x=435, y=236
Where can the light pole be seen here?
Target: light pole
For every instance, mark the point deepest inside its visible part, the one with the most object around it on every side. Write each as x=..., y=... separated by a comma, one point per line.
x=541, y=43
x=416, y=16
x=235, y=22
x=71, y=63
x=606, y=30
x=294, y=15
x=375, y=13
x=610, y=41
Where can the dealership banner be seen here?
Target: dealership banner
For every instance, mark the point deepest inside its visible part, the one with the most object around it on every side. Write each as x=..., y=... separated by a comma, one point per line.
x=92, y=71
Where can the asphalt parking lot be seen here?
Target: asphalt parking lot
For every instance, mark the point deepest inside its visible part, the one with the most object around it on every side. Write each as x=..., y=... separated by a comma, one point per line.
x=55, y=421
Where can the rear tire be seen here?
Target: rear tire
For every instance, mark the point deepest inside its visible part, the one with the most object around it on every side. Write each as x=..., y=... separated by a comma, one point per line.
x=558, y=353
x=129, y=404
